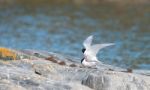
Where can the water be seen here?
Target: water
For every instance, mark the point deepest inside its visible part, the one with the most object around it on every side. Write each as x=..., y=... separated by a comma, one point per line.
x=62, y=28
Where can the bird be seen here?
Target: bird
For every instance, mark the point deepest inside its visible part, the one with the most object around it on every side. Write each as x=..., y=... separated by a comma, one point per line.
x=90, y=52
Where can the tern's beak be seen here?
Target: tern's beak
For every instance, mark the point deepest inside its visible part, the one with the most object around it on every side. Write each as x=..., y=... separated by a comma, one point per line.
x=82, y=60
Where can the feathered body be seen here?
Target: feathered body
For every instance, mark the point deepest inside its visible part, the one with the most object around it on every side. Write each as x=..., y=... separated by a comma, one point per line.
x=90, y=51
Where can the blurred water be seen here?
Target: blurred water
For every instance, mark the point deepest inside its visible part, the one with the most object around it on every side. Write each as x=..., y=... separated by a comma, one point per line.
x=63, y=28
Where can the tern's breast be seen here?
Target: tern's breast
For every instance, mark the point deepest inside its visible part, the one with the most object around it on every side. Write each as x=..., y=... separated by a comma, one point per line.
x=89, y=64
x=89, y=56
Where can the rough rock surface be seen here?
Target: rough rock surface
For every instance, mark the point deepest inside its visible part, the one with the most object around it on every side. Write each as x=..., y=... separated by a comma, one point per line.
x=117, y=81
x=60, y=72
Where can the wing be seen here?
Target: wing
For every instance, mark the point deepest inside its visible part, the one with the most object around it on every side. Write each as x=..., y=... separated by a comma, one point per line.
x=95, y=48
x=87, y=43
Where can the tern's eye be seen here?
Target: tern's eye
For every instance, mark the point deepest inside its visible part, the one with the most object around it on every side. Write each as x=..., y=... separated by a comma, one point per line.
x=83, y=50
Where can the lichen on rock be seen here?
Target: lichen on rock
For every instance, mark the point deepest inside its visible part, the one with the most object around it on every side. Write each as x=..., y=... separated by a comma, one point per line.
x=7, y=54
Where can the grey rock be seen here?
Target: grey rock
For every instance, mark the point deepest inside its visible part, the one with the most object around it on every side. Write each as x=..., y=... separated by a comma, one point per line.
x=24, y=77
x=112, y=80
x=40, y=74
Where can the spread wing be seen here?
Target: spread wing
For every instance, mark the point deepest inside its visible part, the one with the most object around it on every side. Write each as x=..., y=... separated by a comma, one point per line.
x=95, y=48
x=87, y=43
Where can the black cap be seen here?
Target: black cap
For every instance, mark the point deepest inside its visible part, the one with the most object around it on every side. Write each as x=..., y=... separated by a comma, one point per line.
x=83, y=50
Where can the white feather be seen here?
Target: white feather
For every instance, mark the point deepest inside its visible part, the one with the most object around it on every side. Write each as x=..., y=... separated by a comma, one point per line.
x=87, y=43
x=92, y=50
x=97, y=47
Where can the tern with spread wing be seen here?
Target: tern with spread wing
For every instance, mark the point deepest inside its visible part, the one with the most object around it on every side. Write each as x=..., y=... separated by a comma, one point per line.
x=90, y=51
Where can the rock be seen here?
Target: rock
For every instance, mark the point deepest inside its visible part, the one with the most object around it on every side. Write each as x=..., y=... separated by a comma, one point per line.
x=111, y=80
x=38, y=75
x=142, y=72
x=51, y=71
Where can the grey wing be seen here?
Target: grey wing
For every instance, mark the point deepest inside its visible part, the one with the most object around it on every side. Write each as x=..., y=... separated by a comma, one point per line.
x=87, y=43
x=95, y=48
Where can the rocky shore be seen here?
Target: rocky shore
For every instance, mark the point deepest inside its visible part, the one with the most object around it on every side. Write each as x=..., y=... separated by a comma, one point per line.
x=40, y=70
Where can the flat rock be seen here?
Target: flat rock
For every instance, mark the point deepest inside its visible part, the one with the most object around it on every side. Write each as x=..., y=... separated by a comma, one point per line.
x=42, y=73
x=38, y=75
x=112, y=80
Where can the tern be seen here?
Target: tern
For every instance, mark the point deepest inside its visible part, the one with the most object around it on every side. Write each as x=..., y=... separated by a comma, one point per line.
x=90, y=51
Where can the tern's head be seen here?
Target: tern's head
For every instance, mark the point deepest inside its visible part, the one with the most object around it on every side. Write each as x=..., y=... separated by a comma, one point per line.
x=83, y=50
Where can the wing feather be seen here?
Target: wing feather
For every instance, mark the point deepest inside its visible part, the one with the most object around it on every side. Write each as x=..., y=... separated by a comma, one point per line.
x=95, y=48
x=87, y=43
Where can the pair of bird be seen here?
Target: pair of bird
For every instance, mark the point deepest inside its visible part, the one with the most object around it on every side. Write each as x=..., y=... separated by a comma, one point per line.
x=90, y=51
